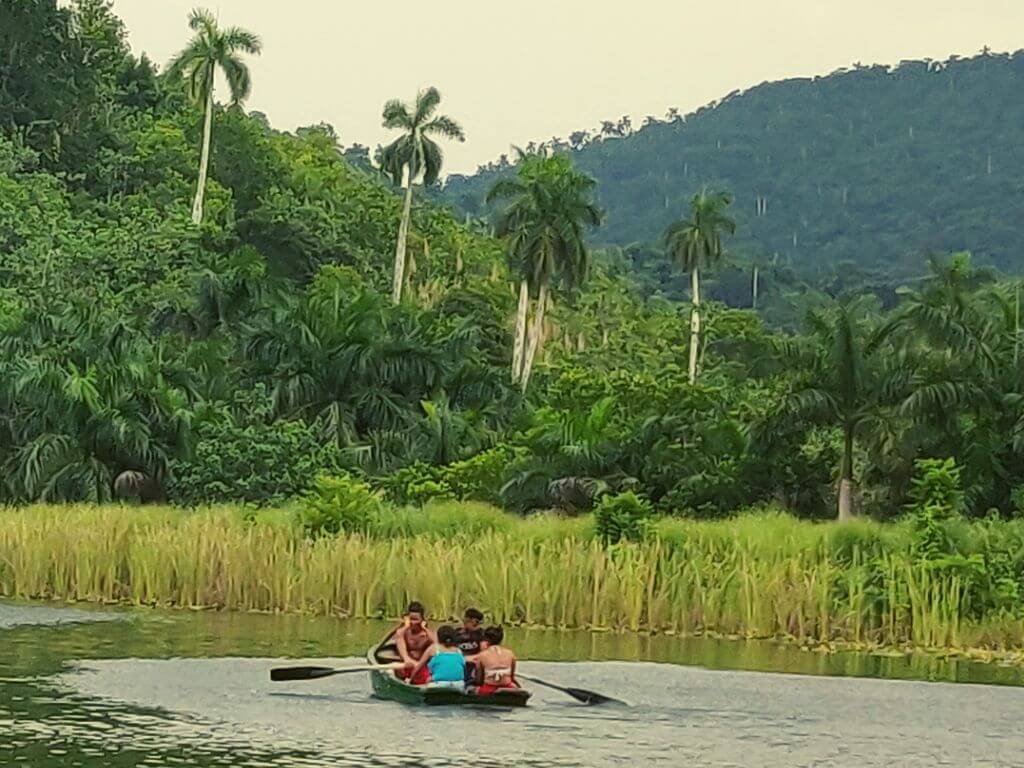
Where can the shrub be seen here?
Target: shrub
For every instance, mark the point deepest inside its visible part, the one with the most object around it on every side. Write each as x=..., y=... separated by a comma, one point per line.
x=481, y=477
x=1017, y=500
x=475, y=479
x=340, y=504
x=623, y=516
x=413, y=484
x=242, y=455
x=936, y=497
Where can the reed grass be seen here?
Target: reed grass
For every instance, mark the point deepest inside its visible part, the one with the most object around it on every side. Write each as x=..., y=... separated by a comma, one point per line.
x=759, y=575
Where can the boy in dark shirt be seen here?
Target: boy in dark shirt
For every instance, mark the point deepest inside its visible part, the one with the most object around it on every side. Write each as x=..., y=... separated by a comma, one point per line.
x=470, y=640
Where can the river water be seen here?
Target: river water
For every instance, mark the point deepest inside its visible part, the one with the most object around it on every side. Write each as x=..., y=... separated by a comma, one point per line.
x=85, y=687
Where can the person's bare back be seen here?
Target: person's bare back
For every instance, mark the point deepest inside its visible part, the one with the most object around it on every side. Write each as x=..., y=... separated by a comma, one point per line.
x=497, y=664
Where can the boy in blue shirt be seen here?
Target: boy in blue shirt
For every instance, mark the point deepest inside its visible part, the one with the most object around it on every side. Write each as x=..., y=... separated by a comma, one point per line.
x=445, y=661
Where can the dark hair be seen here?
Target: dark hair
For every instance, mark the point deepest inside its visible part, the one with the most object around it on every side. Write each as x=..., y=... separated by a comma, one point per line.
x=473, y=613
x=416, y=607
x=494, y=635
x=446, y=635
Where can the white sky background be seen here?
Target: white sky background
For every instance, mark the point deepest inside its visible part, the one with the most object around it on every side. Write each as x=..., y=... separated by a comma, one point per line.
x=524, y=70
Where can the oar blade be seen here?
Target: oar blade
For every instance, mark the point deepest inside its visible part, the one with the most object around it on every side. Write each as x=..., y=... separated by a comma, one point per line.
x=591, y=697
x=580, y=694
x=300, y=673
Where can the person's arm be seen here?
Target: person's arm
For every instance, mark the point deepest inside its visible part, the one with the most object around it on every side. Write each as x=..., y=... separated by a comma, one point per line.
x=427, y=654
x=514, y=669
x=403, y=649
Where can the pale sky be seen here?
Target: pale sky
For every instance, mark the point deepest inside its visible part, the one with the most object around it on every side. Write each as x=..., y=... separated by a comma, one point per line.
x=524, y=70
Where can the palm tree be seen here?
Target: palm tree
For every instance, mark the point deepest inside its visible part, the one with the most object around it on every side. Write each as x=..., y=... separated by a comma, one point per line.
x=414, y=154
x=545, y=221
x=197, y=64
x=94, y=402
x=841, y=381
x=697, y=242
x=967, y=386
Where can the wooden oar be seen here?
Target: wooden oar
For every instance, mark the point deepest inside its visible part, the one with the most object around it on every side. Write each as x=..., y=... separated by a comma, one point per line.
x=580, y=694
x=280, y=674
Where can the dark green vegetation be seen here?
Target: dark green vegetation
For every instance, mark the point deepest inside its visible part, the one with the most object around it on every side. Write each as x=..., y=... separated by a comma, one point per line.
x=243, y=357
x=846, y=182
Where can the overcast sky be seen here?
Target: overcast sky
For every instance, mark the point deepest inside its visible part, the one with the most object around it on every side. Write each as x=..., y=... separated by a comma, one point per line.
x=530, y=69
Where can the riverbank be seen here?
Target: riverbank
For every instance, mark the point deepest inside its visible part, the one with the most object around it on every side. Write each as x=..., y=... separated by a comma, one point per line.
x=762, y=575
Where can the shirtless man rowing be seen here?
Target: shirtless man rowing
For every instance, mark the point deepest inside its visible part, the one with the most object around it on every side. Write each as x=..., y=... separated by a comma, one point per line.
x=412, y=639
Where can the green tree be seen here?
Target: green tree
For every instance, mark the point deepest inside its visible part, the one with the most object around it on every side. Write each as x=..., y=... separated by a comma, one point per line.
x=694, y=243
x=211, y=49
x=94, y=405
x=846, y=376
x=549, y=209
x=413, y=155
x=965, y=395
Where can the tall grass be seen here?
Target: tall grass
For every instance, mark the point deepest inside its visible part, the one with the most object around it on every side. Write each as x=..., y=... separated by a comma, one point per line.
x=763, y=575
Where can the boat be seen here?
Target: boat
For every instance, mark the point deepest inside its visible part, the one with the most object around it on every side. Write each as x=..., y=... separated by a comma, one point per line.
x=387, y=685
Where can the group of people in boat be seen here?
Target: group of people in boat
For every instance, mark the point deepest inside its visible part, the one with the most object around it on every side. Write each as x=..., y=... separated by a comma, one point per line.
x=465, y=658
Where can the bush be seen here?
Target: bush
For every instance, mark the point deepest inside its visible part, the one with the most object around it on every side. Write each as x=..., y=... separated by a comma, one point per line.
x=242, y=455
x=623, y=516
x=481, y=477
x=340, y=504
x=413, y=484
x=1017, y=500
x=936, y=497
x=475, y=479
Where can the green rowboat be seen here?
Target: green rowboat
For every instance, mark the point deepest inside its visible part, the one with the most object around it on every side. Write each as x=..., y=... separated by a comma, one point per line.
x=386, y=685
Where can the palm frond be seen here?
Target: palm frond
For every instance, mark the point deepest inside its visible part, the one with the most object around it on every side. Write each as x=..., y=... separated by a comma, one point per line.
x=238, y=39
x=427, y=101
x=446, y=127
x=238, y=77
x=396, y=115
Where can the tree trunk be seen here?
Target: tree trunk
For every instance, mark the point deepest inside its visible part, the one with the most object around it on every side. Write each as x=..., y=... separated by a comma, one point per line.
x=846, y=486
x=520, y=338
x=1016, y=329
x=753, y=290
x=694, y=323
x=403, y=236
x=536, y=335
x=204, y=159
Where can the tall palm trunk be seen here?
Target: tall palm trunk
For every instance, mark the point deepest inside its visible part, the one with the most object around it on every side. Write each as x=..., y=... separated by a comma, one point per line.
x=536, y=334
x=204, y=159
x=694, y=323
x=753, y=290
x=520, y=339
x=846, y=487
x=1016, y=330
x=403, y=236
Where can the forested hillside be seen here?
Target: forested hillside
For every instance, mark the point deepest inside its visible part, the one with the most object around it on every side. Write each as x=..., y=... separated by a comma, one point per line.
x=862, y=173
x=253, y=344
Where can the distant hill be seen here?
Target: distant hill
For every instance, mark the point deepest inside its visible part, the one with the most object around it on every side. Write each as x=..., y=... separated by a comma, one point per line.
x=861, y=172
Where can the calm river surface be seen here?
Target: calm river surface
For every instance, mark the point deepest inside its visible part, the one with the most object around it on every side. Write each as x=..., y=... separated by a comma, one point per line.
x=86, y=687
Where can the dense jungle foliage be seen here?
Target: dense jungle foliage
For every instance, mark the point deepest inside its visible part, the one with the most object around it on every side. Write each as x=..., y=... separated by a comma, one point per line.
x=257, y=355
x=843, y=182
